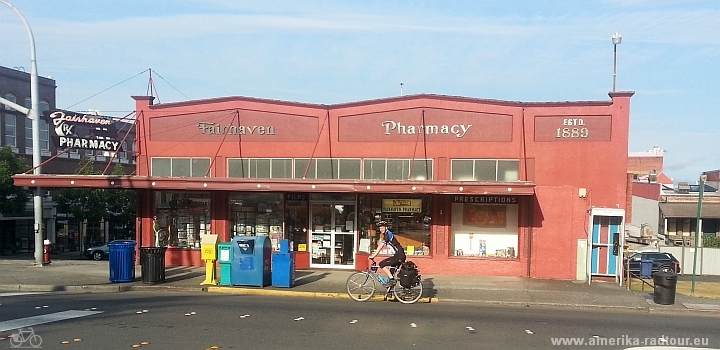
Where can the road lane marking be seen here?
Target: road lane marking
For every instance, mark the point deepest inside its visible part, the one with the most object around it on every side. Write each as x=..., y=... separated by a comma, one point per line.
x=35, y=320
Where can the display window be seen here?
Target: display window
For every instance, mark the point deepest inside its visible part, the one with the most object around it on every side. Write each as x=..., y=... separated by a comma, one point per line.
x=485, y=229
x=180, y=218
x=408, y=217
x=257, y=214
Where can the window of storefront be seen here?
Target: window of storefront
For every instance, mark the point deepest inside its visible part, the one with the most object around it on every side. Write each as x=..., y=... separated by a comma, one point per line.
x=180, y=167
x=485, y=170
x=180, y=218
x=483, y=228
x=327, y=168
x=408, y=216
x=257, y=214
x=398, y=169
x=271, y=168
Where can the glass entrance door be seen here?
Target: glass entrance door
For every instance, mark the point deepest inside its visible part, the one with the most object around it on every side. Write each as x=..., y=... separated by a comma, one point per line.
x=333, y=235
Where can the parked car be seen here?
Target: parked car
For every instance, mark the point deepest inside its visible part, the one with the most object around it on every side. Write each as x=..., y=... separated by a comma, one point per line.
x=660, y=262
x=98, y=252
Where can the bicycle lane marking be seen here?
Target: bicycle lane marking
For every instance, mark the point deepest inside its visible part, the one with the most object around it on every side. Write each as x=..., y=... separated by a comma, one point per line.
x=42, y=319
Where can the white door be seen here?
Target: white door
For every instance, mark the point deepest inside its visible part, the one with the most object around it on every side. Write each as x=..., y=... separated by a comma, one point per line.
x=332, y=237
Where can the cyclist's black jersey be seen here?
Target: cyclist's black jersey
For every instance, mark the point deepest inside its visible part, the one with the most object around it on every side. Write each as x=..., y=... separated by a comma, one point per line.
x=391, y=240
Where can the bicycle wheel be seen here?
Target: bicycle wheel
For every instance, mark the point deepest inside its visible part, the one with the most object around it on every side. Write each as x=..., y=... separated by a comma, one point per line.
x=360, y=286
x=35, y=341
x=408, y=295
x=15, y=342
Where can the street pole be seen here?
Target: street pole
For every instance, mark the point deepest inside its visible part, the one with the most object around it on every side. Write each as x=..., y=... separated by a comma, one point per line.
x=703, y=177
x=616, y=40
x=34, y=117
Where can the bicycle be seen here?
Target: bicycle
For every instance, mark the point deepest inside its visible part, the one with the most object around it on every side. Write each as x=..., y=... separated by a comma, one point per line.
x=361, y=286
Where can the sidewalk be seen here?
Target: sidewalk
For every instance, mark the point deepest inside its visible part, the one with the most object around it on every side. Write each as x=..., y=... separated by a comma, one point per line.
x=75, y=274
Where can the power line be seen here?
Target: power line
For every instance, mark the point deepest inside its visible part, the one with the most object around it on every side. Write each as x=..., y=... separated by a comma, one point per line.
x=171, y=85
x=68, y=107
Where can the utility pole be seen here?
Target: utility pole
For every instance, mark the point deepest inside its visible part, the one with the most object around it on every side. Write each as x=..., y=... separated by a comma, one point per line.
x=33, y=114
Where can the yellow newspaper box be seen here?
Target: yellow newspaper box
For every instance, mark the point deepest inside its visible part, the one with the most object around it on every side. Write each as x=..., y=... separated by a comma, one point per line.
x=208, y=245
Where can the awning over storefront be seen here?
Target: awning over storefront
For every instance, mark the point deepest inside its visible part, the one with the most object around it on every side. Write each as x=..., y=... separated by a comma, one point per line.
x=689, y=210
x=520, y=188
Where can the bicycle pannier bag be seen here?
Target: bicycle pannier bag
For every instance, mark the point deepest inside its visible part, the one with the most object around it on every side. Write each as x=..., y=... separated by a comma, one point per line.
x=408, y=276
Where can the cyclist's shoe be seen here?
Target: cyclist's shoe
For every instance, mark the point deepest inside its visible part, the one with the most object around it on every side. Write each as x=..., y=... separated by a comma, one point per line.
x=392, y=282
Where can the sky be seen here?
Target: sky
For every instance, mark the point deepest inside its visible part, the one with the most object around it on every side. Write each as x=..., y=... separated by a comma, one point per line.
x=320, y=51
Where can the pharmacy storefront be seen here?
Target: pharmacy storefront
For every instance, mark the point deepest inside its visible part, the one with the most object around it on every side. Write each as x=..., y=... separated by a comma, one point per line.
x=469, y=186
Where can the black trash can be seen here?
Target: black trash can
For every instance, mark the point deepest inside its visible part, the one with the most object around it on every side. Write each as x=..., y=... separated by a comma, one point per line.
x=152, y=260
x=665, y=285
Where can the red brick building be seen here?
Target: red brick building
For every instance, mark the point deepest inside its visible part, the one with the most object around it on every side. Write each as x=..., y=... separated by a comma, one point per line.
x=470, y=186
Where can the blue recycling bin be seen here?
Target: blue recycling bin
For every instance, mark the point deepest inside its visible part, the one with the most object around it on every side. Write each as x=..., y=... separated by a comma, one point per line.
x=645, y=268
x=122, y=261
x=225, y=261
x=250, y=265
x=283, y=266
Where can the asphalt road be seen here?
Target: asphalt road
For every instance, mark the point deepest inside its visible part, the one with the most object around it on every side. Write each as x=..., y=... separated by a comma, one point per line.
x=199, y=321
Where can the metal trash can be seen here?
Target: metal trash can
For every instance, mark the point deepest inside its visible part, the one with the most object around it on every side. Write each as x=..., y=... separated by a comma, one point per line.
x=646, y=268
x=665, y=286
x=122, y=261
x=152, y=261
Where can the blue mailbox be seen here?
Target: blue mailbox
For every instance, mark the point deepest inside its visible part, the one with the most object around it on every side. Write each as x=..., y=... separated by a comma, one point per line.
x=283, y=266
x=250, y=264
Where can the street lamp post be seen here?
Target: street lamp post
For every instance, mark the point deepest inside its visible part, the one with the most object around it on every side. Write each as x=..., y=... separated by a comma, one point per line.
x=34, y=117
x=616, y=40
x=698, y=231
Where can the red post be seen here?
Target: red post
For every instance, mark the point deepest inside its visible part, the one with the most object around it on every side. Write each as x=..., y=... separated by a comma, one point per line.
x=46, y=251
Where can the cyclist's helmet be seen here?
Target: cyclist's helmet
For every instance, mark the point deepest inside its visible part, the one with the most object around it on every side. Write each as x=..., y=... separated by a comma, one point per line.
x=382, y=223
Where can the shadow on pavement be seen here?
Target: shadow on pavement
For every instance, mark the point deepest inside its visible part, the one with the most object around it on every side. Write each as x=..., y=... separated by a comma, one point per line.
x=180, y=273
x=429, y=290
x=303, y=277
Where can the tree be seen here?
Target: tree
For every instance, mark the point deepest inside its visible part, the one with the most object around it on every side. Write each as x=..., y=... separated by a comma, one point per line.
x=121, y=206
x=12, y=199
x=711, y=242
x=116, y=207
x=83, y=203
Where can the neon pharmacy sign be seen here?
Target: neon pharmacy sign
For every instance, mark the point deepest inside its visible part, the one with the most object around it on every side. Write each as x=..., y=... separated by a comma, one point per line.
x=82, y=131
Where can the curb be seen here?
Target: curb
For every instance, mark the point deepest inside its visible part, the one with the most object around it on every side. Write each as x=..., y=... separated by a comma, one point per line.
x=273, y=292
x=528, y=304
x=94, y=288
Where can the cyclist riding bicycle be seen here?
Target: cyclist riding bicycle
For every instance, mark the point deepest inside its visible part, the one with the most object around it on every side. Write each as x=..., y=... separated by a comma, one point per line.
x=389, y=240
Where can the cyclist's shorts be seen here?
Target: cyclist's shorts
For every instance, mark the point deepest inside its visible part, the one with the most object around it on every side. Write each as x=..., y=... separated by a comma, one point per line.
x=395, y=260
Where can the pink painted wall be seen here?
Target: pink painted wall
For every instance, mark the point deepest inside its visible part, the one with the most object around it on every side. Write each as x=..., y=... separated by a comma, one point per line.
x=551, y=222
